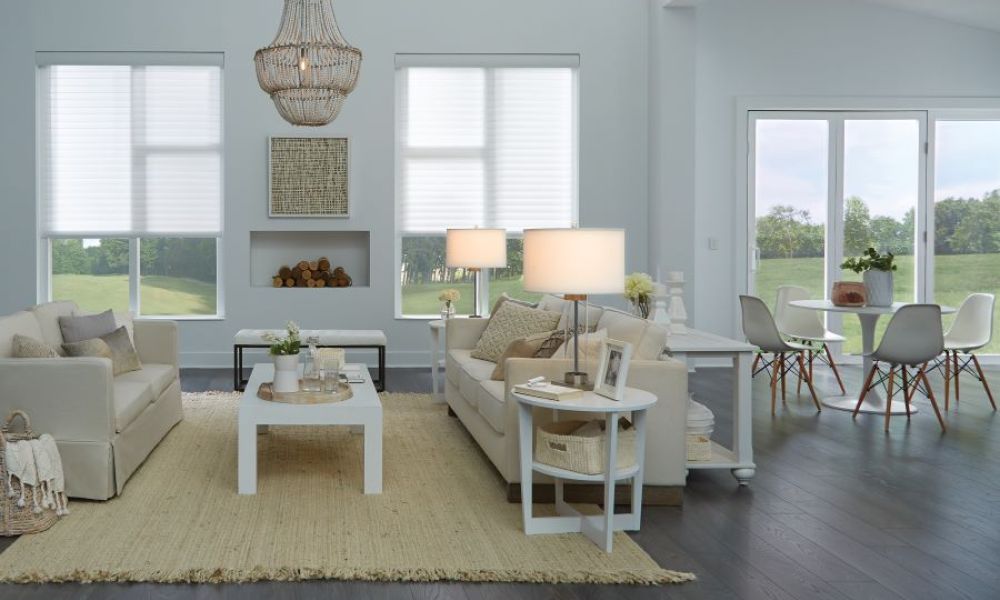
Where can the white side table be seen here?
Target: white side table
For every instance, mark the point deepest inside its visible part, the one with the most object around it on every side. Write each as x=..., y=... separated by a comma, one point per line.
x=599, y=528
x=437, y=354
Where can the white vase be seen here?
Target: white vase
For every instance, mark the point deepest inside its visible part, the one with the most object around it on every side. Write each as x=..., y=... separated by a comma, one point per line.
x=286, y=373
x=878, y=284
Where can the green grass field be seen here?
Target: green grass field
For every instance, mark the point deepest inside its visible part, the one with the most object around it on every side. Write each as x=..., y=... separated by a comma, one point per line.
x=422, y=299
x=160, y=295
x=955, y=277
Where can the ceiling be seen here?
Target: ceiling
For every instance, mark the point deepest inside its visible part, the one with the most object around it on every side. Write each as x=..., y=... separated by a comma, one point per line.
x=977, y=13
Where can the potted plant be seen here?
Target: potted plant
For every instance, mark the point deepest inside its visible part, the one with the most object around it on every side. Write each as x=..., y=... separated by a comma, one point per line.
x=449, y=296
x=639, y=292
x=285, y=353
x=877, y=274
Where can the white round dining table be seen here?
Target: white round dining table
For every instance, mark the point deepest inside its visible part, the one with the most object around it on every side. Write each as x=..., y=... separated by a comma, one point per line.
x=868, y=315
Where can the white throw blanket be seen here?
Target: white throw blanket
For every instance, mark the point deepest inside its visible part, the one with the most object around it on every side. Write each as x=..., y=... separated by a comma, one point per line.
x=36, y=467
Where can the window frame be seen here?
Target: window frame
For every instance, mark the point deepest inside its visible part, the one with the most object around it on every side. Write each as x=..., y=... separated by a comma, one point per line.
x=475, y=61
x=140, y=153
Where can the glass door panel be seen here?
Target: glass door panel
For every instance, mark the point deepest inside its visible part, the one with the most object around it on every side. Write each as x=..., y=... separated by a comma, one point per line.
x=791, y=190
x=881, y=193
x=967, y=214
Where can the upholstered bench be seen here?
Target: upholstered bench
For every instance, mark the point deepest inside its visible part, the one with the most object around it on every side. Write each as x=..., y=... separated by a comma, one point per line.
x=373, y=339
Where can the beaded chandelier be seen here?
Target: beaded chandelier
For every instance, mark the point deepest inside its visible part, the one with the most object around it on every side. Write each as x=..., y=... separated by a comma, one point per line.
x=309, y=68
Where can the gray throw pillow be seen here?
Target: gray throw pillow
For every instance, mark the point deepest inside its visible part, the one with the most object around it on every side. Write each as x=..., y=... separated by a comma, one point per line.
x=78, y=328
x=24, y=346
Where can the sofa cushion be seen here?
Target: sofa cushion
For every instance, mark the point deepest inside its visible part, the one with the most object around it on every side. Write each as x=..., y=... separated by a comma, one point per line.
x=490, y=404
x=157, y=376
x=466, y=372
x=25, y=346
x=23, y=323
x=511, y=322
x=130, y=399
x=48, y=320
x=76, y=328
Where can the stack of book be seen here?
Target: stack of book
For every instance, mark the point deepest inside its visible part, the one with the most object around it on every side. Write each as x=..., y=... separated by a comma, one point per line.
x=549, y=391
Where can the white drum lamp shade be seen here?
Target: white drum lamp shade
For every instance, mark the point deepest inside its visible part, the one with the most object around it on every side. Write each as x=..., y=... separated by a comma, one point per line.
x=574, y=261
x=476, y=248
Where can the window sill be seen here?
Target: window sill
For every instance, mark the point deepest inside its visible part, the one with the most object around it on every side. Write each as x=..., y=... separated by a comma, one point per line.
x=181, y=318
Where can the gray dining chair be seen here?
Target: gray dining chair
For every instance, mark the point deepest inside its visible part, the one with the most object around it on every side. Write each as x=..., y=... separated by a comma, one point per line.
x=806, y=327
x=775, y=356
x=971, y=330
x=912, y=338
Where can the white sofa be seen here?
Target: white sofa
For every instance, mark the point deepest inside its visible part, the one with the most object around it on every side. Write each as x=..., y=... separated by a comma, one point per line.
x=105, y=426
x=488, y=413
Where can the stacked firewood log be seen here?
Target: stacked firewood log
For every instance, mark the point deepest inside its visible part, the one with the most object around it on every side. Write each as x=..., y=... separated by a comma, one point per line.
x=313, y=274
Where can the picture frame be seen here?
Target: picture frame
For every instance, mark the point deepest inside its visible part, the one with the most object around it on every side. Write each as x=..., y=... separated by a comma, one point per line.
x=308, y=177
x=612, y=369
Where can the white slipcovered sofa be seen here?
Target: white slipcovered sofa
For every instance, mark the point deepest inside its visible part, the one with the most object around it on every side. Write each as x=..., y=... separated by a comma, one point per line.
x=487, y=411
x=105, y=426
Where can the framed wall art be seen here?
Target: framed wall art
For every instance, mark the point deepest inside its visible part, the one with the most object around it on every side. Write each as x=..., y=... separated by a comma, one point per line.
x=308, y=177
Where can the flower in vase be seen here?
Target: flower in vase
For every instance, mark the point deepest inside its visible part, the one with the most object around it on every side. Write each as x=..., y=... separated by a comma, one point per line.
x=639, y=291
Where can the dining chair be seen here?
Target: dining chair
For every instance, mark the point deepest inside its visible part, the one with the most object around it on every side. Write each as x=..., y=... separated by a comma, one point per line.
x=913, y=337
x=806, y=327
x=785, y=356
x=971, y=330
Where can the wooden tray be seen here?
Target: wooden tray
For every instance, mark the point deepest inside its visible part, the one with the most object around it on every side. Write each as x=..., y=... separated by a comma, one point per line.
x=343, y=393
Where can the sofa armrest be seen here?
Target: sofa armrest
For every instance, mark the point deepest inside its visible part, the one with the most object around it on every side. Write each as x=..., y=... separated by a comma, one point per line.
x=464, y=333
x=156, y=342
x=69, y=398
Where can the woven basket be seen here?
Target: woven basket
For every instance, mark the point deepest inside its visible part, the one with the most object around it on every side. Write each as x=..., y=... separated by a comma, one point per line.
x=699, y=447
x=15, y=520
x=558, y=445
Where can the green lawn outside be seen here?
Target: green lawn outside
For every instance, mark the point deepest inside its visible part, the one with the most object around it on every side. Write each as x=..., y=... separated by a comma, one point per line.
x=956, y=276
x=160, y=295
x=422, y=299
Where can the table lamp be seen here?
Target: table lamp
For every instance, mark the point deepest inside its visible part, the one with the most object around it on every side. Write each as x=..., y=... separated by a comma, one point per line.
x=574, y=262
x=474, y=250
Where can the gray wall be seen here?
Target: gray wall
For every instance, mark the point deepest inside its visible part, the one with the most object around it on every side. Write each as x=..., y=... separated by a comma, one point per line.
x=609, y=35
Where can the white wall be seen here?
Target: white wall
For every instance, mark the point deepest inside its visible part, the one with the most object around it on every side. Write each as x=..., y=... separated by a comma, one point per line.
x=796, y=48
x=609, y=35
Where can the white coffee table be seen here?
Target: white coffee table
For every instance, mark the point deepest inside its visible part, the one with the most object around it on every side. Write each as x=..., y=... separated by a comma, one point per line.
x=363, y=410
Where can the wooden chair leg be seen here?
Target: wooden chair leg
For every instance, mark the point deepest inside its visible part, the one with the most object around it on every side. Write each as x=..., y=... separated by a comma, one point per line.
x=809, y=383
x=756, y=361
x=947, y=379
x=774, y=382
x=982, y=377
x=833, y=366
x=783, y=396
x=956, y=370
x=888, y=397
x=930, y=396
x=798, y=387
x=906, y=393
x=864, y=389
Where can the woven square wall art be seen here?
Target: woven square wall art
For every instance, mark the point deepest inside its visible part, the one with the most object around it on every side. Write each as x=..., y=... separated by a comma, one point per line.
x=309, y=177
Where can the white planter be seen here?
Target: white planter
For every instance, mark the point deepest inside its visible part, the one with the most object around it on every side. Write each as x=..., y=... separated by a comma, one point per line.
x=878, y=284
x=286, y=373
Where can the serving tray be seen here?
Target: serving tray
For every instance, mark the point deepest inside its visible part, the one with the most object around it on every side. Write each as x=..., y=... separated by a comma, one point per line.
x=343, y=392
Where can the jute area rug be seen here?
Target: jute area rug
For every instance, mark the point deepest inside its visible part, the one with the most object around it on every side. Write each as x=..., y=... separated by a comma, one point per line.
x=442, y=514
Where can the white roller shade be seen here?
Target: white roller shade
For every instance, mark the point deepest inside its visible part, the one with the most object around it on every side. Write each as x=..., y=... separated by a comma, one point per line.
x=486, y=146
x=130, y=150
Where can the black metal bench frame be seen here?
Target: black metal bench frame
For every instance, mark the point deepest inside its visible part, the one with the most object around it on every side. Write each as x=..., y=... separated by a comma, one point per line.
x=239, y=383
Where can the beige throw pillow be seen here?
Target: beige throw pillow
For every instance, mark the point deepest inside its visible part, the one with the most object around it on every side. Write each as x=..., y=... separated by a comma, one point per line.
x=525, y=347
x=115, y=346
x=590, y=345
x=95, y=348
x=24, y=346
x=511, y=322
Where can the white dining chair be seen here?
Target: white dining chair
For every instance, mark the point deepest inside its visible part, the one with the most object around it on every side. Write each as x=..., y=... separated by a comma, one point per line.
x=785, y=356
x=806, y=326
x=913, y=337
x=971, y=330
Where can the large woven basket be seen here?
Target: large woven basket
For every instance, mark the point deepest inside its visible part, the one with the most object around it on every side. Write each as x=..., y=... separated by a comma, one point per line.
x=15, y=520
x=558, y=445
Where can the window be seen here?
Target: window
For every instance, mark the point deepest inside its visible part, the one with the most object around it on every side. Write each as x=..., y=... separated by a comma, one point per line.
x=481, y=141
x=131, y=181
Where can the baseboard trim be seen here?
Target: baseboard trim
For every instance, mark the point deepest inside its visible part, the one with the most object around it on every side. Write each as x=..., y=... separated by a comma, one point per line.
x=652, y=495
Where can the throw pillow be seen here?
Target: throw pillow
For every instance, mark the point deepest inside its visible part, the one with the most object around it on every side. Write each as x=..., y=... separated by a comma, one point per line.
x=525, y=347
x=551, y=344
x=124, y=358
x=24, y=346
x=590, y=345
x=78, y=328
x=504, y=297
x=96, y=348
x=511, y=322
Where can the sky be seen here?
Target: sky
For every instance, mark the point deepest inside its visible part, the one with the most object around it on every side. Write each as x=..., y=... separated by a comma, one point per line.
x=881, y=163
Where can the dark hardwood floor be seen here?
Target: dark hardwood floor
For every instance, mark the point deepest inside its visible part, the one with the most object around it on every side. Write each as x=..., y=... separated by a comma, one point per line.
x=838, y=510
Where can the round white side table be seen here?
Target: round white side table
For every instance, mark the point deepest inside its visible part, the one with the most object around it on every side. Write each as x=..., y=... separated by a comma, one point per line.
x=869, y=315
x=599, y=528
x=437, y=354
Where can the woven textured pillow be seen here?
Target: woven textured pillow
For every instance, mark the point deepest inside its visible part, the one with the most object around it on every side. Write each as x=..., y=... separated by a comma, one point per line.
x=511, y=322
x=24, y=346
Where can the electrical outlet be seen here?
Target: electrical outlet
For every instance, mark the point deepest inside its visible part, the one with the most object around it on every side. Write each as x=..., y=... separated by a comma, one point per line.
x=713, y=243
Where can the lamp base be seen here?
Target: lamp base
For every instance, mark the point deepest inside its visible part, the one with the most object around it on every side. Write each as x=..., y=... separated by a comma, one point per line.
x=578, y=380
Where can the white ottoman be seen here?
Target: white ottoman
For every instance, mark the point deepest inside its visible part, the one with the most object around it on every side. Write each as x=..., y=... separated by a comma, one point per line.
x=372, y=339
